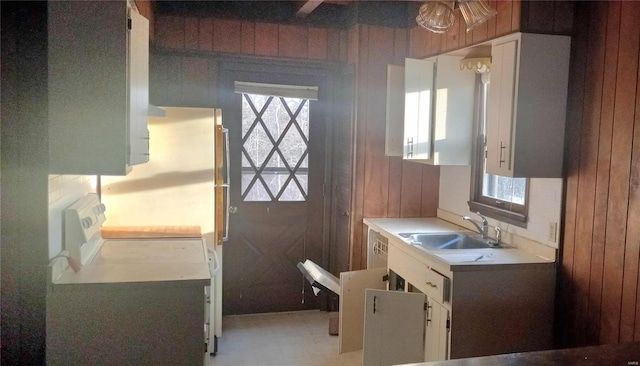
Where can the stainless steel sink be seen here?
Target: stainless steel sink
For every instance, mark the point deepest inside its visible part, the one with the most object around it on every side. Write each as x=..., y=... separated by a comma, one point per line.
x=444, y=241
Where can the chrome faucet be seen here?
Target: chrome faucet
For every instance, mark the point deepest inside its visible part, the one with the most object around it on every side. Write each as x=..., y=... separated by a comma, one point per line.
x=484, y=230
x=498, y=235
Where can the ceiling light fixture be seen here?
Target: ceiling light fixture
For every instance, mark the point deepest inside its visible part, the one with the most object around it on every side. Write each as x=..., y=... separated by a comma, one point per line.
x=437, y=16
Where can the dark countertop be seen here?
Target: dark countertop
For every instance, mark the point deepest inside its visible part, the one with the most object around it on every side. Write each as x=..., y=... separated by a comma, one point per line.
x=627, y=354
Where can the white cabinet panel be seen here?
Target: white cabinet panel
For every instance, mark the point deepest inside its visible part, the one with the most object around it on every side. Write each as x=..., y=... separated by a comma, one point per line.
x=98, y=87
x=436, y=339
x=438, y=114
x=526, y=108
x=352, y=289
x=394, y=328
x=395, y=111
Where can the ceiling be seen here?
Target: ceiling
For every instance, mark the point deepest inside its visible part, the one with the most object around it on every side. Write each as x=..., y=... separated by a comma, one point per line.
x=325, y=13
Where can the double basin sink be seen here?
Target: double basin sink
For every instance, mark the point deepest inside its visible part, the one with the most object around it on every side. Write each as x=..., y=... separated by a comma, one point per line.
x=438, y=241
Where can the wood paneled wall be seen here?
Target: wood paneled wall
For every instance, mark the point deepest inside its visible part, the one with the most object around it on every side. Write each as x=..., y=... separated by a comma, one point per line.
x=250, y=38
x=599, y=290
x=383, y=186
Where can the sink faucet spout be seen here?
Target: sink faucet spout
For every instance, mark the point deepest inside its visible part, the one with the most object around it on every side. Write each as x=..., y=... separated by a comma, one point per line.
x=482, y=230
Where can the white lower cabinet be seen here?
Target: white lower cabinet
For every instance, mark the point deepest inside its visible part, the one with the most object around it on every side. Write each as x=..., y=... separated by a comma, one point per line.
x=431, y=311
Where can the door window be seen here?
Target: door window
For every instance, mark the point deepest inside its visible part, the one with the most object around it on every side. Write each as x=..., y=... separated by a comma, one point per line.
x=275, y=139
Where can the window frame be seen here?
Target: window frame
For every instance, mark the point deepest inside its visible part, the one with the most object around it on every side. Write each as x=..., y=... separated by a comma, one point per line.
x=503, y=211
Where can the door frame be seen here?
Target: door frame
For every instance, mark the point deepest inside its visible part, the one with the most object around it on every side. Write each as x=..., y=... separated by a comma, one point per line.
x=329, y=73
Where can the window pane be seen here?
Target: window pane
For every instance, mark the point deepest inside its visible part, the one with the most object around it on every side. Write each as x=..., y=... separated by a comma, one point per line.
x=278, y=128
x=504, y=188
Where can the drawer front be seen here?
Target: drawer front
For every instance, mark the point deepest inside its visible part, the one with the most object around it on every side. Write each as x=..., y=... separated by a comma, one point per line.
x=436, y=286
x=431, y=283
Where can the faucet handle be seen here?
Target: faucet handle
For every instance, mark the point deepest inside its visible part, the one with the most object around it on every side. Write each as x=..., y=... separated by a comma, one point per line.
x=498, y=234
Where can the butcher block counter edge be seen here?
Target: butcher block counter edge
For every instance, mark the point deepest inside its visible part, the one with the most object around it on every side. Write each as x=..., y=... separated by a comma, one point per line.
x=493, y=259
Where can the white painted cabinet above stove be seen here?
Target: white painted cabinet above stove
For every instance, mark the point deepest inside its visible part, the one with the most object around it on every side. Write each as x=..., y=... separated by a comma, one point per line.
x=98, y=61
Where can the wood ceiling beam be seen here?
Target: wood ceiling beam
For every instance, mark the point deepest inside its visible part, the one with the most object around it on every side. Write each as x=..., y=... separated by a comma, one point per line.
x=307, y=7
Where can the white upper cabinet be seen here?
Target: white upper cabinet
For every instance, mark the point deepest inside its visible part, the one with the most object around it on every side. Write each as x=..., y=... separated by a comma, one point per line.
x=98, y=59
x=526, y=108
x=438, y=114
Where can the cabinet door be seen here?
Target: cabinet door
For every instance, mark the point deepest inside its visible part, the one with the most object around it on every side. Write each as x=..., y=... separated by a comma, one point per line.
x=500, y=111
x=138, y=150
x=353, y=285
x=393, y=328
x=418, y=83
x=436, y=339
x=395, y=111
x=453, y=112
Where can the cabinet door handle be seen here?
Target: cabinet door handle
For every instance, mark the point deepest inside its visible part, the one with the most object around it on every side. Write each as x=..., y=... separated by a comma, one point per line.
x=428, y=313
x=431, y=284
x=502, y=148
x=374, y=303
x=410, y=146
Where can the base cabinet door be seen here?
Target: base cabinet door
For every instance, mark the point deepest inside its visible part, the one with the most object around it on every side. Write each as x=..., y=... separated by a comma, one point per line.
x=436, y=334
x=393, y=328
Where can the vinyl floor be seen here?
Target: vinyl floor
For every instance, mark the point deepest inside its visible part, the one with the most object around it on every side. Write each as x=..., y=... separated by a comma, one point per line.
x=281, y=339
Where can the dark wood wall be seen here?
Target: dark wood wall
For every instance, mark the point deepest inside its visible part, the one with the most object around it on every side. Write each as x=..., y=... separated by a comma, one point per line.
x=383, y=186
x=599, y=294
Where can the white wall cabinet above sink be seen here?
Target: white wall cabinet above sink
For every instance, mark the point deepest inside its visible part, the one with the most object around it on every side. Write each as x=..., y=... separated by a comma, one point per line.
x=438, y=111
x=98, y=82
x=526, y=108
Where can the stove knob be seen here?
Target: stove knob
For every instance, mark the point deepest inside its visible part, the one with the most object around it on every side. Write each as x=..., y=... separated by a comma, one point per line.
x=87, y=222
x=103, y=208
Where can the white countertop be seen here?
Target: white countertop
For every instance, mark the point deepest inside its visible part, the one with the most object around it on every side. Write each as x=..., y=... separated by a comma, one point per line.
x=144, y=260
x=453, y=259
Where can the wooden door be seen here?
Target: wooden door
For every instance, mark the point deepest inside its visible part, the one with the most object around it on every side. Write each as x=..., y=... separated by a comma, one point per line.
x=277, y=172
x=393, y=328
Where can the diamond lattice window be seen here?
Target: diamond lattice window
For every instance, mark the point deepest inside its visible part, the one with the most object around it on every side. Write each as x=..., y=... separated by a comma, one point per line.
x=275, y=139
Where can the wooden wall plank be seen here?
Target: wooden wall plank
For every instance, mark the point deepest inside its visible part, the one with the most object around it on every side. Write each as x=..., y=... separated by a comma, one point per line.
x=587, y=177
x=619, y=192
x=317, y=46
x=604, y=162
x=400, y=46
x=170, y=32
x=266, y=43
x=479, y=33
x=430, y=190
x=248, y=42
x=395, y=171
x=227, y=35
x=563, y=18
x=516, y=15
x=411, y=188
x=573, y=136
x=538, y=17
x=504, y=17
x=191, y=33
x=333, y=43
x=205, y=34
x=196, y=83
x=376, y=164
x=292, y=41
x=358, y=39
x=491, y=23
x=631, y=54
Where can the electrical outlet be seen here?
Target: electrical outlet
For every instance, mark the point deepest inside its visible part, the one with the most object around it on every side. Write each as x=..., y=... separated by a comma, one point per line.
x=553, y=230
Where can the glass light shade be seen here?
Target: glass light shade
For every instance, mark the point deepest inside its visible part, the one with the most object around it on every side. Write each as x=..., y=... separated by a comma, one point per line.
x=436, y=16
x=475, y=12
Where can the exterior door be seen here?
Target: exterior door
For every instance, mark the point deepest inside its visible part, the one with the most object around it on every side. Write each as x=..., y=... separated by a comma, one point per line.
x=277, y=168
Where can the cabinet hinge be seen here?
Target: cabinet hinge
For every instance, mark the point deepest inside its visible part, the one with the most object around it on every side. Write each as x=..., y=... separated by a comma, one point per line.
x=426, y=307
x=385, y=278
x=129, y=23
x=448, y=323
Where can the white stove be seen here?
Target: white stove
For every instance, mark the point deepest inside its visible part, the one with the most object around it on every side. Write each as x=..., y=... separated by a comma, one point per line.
x=143, y=301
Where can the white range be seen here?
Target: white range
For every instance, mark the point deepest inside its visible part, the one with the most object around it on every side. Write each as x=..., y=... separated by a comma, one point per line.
x=133, y=301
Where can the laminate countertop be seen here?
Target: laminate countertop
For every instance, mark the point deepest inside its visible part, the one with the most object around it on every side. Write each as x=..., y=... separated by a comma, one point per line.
x=627, y=354
x=453, y=259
